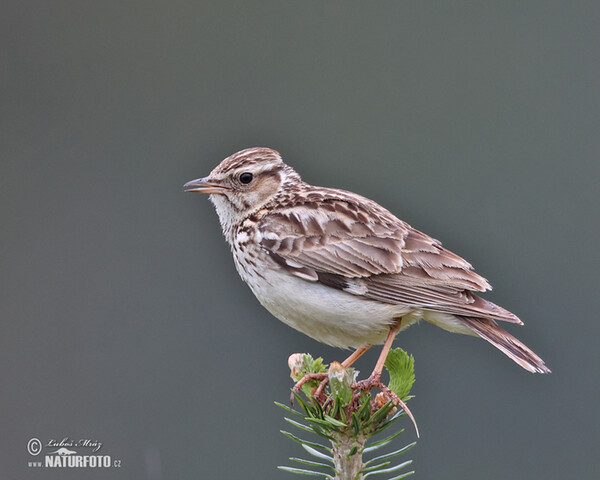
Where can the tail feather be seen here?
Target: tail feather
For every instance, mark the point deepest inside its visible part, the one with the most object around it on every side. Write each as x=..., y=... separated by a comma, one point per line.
x=489, y=330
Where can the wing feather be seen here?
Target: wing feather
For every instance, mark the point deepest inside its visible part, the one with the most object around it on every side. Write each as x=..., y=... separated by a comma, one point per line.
x=340, y=238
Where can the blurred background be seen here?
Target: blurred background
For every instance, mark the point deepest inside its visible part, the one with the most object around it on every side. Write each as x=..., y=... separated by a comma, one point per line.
x=122, y=317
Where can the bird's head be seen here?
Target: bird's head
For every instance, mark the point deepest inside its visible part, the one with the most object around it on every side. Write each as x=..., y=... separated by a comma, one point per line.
x=244, y=182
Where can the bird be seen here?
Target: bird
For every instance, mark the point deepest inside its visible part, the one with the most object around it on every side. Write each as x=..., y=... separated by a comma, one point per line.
x=341, y=268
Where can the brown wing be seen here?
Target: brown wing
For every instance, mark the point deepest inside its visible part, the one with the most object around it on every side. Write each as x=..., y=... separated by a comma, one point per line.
x=336, y=232
x=335, y=236
x=435, y=297
x=351, y=243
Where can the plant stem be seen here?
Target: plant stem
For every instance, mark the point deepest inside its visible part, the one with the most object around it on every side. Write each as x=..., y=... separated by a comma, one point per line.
x=336, y=406
x=348, y=466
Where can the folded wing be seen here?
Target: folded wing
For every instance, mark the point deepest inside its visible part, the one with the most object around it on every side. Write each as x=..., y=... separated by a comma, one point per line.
x=348, y=242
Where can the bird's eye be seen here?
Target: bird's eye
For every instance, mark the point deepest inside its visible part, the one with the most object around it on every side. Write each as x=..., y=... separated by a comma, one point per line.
x=246, y=178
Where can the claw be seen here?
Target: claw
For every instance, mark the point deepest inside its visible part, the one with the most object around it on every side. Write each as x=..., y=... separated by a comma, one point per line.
x=375, y=381
x=399, y=402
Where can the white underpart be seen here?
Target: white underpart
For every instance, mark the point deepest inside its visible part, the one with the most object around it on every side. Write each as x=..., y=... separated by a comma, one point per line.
x=333, y=316
x=326, y=314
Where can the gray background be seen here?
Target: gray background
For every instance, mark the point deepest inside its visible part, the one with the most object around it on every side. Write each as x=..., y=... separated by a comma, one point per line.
x=122, y=317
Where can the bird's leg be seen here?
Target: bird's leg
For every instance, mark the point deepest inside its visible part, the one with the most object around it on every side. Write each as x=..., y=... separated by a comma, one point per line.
x=386, y=349
x=375, y=379
x=376, y=375
x=355, y=356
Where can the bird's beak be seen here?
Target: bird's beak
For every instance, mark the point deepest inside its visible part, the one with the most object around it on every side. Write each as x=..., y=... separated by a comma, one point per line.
x=204, y=185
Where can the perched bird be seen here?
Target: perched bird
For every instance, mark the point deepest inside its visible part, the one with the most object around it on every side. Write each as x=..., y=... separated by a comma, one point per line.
x=342, y=269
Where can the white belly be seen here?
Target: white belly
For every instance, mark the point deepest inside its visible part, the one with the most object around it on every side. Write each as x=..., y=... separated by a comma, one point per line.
x=328, y=315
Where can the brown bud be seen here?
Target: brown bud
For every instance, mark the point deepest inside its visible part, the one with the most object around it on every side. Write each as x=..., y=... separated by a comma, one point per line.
x=380, y=400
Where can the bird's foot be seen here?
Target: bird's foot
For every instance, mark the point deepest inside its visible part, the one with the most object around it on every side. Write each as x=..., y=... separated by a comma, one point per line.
x=317, y=392
x=374, y=381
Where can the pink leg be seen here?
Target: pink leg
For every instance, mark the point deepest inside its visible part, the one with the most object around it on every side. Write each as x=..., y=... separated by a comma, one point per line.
x=355, y=356
x=375, y=379
x=385, y=350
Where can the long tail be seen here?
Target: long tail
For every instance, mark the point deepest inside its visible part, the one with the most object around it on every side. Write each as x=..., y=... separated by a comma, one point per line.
x=489, y=330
